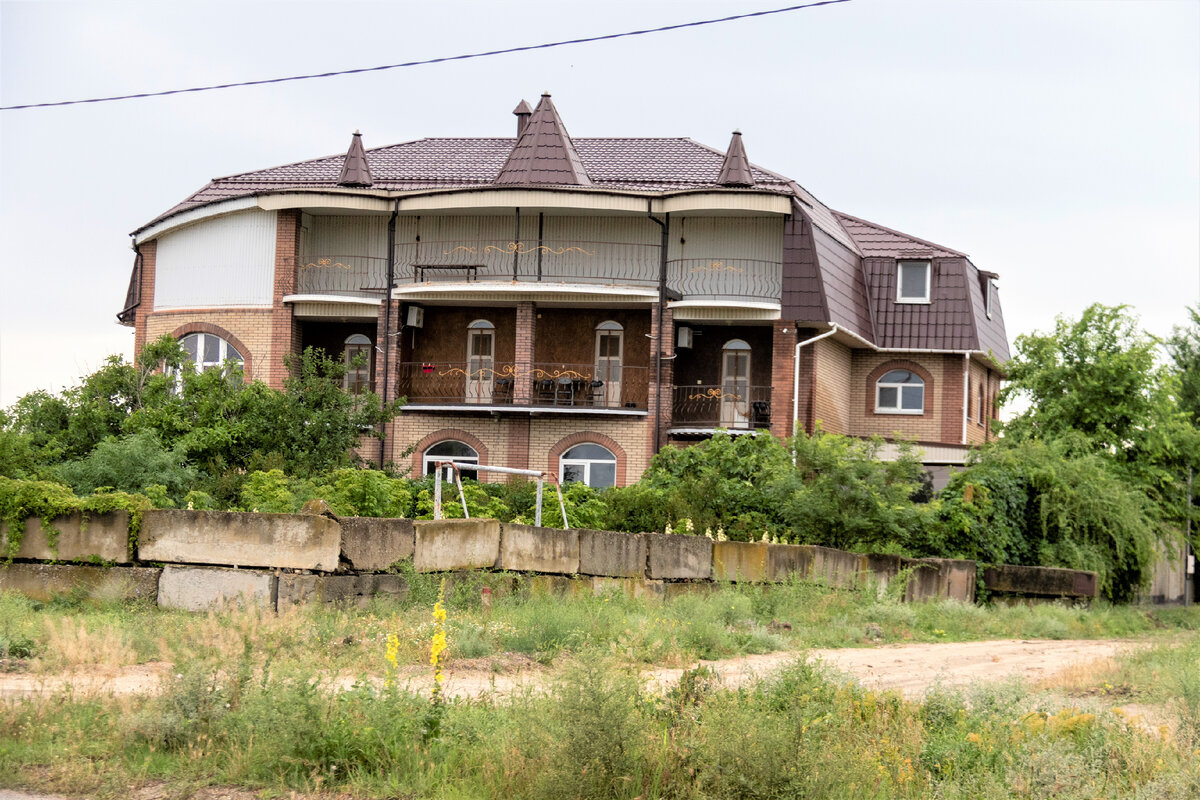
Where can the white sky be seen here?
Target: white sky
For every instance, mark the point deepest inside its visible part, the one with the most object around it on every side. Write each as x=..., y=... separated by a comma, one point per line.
x=1058, y=143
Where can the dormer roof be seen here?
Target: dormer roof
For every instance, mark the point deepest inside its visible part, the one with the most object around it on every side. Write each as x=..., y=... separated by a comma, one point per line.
x=544, y=153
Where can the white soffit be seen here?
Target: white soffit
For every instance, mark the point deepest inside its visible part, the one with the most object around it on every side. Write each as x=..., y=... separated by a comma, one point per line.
x=315, y=306
x=928, y=453
x=194, y=215
x=526, y=290
x=713, y=310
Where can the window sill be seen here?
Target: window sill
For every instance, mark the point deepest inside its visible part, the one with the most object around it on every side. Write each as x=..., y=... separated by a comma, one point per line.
x=899, y=412
x=915, y=301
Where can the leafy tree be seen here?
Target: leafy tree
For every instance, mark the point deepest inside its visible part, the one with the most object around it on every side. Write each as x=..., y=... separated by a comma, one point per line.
x=1095, y=376
x=1184, y=349
x=131, y=464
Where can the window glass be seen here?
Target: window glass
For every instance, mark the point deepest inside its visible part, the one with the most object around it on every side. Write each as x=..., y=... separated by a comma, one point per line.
x=589, y=463
x=900, y=392
x=450, y=450
x=358, y=375
x=208, y=351
x=914, y=280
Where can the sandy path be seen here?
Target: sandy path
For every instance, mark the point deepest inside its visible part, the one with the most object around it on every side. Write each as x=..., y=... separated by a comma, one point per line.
x=910, y=669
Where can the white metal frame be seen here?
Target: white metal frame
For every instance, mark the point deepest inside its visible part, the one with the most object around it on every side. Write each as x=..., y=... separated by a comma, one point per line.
x=531, y=473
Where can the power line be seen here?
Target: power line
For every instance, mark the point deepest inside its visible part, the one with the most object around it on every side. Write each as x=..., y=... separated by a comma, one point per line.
x=462, y=57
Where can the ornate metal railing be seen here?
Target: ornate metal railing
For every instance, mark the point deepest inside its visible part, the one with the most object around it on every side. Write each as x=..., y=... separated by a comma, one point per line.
x=721, y=407
x=579, y=386
x=601, y=263
x=355, y=276
x=725, y=278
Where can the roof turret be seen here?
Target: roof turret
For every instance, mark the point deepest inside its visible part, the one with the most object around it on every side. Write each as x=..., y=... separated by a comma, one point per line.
x=355, y=170
x=735, y=169
x=544, y=153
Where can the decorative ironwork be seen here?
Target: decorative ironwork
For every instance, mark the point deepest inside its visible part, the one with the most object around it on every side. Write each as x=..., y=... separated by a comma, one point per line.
x=511, y=371
x=516, y=247
x=716, y=394
x=322, y=263
x=717, y=266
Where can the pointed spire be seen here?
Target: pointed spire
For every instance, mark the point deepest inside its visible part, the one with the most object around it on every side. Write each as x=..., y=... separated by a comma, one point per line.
x=355, y=171
x=544, y=153
x=735, y=169
x=523, y=112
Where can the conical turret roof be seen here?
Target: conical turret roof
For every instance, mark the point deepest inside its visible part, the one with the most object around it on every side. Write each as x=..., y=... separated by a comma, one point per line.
x=544, y=153
x=355, y=171
x=735, y=169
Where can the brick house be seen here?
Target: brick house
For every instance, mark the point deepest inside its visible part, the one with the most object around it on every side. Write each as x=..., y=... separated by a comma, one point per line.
x=574, y=305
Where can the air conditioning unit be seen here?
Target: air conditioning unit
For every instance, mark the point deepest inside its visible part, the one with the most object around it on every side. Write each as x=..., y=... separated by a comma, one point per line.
x=416, y=317
x=683, y=336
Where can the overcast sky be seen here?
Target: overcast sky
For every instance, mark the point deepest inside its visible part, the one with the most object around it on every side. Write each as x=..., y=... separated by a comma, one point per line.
x=1057, y=143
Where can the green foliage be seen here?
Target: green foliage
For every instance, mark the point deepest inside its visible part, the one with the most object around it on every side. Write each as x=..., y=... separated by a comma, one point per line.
x=132, y=463
x=46, y=500
x=1184, y=349
x=365, y=493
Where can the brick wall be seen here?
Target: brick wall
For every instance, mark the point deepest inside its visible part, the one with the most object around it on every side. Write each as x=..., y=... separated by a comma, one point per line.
x=285, y=331
x=149, y=252
x=831, y=396
x=500, y=439
x=943, y=405
x=783, y=356
x=249, y=329
x=526, y=335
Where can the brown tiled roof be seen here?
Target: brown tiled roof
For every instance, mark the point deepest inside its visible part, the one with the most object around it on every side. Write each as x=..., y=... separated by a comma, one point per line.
x=874, y=239
x=735, y=169
x=651, y=164
x=355, y=170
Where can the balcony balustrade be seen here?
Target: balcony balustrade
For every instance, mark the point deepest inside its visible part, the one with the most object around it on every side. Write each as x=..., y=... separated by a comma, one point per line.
x=576, y=386
x=733, y=407
x=577, y=262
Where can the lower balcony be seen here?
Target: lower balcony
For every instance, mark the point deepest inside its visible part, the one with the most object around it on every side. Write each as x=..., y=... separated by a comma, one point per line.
x=580, y=388
x=732, y=406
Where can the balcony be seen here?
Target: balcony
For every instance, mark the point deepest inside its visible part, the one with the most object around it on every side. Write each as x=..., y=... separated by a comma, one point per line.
x=734, y=408
x=568, y=388
x=586, y=263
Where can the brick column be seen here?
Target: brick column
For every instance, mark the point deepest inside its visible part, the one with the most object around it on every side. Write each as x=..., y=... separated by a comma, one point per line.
x=523, y=357
x=149, y=252
x=394, y=359
x=660, y=391
x=953, y=401
x=783, y=375
x=518, y=443
x=285, y=333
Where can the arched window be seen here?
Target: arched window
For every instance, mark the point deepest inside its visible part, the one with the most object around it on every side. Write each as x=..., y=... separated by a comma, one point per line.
x=606, y=383
x=450, y=450
x=588, y=463
x=357, y=357
x=208, y=351
x=481, y=361
x=900, y=392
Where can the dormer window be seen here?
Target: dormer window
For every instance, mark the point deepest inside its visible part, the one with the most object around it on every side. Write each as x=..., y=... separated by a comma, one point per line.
x=913, y=281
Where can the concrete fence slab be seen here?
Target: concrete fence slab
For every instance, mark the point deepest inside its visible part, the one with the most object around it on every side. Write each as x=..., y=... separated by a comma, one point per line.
x=1041, y=581
x=202, y=588
x=630, y=587
x=370, y=544
x=678, y=557
x=615, y=555
x=343, y=590
x=784, y=560
x=445, y=545
x=837, y=567
x=940, y=579
x=525, y=548
x=740, y=561
x=44, y=581
x=881, y=568
x=295, y=541
x=102, y=536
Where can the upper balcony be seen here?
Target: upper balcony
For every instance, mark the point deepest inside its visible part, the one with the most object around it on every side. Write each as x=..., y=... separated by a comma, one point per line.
x=629, y=271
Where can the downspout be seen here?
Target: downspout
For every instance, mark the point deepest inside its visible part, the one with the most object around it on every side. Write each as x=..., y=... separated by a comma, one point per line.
x=387, y=321
x=966, y=394
x=664, y=224
x=833, y=328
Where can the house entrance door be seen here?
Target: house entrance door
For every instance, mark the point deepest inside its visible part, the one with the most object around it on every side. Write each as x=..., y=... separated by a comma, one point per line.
x=481, y=362
x=608, y=364
x=735, y=384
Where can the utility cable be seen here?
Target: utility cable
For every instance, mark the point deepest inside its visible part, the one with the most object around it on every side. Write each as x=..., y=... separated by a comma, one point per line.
x=443, y=59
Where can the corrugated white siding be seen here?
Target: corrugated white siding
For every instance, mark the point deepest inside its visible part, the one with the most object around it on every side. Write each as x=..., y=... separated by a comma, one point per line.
x=759, y=238
x=227, y=261
x=349, y=235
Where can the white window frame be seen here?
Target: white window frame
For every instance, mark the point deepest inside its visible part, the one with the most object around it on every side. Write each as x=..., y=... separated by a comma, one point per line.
x=223, y=350
x=899, y=387
x=427, y=461
x=927, y=297
x=565, y=460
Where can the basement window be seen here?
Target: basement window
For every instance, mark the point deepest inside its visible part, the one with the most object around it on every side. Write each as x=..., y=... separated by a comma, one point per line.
x=913, y=281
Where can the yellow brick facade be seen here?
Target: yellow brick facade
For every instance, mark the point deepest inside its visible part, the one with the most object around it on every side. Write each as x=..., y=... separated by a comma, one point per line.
x=248, y=329
x=927, y=427
x=831, y=392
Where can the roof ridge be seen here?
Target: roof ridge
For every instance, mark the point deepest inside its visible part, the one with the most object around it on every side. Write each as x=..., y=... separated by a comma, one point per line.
x=909, y=236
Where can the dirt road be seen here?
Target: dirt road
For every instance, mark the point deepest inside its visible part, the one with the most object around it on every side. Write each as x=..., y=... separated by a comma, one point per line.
x=910, y=669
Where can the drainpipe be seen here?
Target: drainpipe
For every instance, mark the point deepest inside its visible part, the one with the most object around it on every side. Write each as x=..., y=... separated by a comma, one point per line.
x=664, y=224
x=833, y=328
x=966, y=394
x=387, y=320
